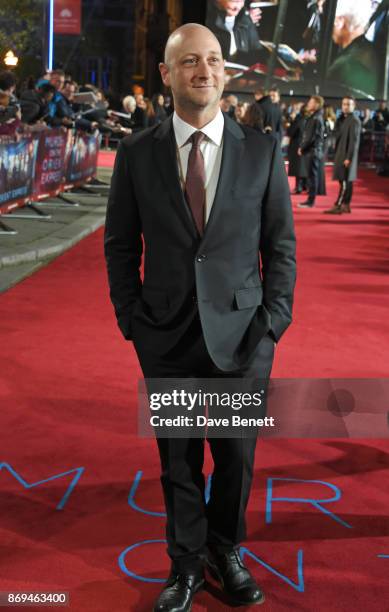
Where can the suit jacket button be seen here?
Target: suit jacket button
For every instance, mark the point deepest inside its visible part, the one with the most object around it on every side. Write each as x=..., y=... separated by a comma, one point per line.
x=201, y=257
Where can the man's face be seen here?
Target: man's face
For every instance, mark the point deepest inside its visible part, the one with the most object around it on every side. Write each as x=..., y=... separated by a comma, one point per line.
x=69, y=91
x=232, y=100
x=340, y=31
x=224, y=105
x=348, y=106
x=312, y=105
x=195, y=70
x=231, y=7
x=57, y=80
x=275, y=96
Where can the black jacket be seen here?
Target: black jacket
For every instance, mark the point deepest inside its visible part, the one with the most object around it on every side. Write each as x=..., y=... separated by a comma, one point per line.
x=272, y=116
x=356, y=70
x=251, y=215
x=249, y=49
x=33, y=106
x=295, y=133
x=312, y=142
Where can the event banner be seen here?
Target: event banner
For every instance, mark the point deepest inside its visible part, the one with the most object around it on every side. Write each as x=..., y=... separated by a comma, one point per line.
x=17, y=169
x=83, y=158
x=67, y=17
x=53, y=151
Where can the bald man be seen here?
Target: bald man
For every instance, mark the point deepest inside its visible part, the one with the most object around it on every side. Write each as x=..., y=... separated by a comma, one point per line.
x=207, y=198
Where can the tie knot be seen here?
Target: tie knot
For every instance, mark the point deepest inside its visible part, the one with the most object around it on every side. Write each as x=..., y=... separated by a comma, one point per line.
x=197, y=138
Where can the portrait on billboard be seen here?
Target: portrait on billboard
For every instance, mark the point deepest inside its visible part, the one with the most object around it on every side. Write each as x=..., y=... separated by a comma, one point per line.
x=331, y=47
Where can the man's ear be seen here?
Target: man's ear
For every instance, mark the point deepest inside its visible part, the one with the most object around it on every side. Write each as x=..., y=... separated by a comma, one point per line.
x=164, y=70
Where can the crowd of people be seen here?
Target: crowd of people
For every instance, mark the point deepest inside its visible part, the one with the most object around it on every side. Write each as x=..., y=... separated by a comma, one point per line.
x=307, y=131
x=56, y=100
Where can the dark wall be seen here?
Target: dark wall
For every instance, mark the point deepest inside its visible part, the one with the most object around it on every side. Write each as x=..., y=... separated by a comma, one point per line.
x=194, y=11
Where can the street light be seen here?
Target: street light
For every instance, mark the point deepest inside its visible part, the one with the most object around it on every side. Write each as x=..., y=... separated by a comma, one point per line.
x=11, y=59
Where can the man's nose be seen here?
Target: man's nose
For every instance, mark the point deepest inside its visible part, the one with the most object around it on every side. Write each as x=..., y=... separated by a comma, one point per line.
x=203, y=69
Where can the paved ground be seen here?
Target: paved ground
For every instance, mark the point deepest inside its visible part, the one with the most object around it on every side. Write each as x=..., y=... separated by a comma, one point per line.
x=39, y=241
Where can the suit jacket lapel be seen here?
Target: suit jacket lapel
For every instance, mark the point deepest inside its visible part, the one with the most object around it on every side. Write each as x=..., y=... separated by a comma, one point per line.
x=233, y=142
x=165, y=156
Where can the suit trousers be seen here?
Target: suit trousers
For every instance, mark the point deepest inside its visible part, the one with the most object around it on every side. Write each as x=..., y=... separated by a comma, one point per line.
x=345, y=192
x=192, y=524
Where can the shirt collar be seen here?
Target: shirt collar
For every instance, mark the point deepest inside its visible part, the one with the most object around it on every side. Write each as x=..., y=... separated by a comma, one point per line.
x=213, y=130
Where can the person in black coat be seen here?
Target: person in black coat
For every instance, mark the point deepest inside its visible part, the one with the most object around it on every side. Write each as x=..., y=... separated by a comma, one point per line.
x=271, y=113
x=296, y=166
x=348, y=134
x=34, y=103
x=312, y=150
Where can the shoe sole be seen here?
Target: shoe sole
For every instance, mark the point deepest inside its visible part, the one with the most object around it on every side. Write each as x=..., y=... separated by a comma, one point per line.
x=213, y=571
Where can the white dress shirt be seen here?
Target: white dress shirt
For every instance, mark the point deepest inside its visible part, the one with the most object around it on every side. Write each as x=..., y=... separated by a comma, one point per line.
x=211, y=148
x=230, y=23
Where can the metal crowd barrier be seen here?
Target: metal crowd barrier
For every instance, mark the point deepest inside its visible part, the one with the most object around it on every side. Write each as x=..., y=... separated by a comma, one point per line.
x=37, y=165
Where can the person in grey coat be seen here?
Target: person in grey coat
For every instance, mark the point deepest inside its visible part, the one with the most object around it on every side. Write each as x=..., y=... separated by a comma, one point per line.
x=348, y=134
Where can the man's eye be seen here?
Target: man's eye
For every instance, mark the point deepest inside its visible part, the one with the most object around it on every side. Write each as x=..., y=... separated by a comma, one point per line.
x=214, y=60
x=190, y=60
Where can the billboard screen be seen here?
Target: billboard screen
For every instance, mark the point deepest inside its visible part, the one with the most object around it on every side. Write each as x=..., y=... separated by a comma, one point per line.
x=327, y=47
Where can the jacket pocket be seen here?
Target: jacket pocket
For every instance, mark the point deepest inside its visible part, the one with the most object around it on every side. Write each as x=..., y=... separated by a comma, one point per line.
x=249, y=297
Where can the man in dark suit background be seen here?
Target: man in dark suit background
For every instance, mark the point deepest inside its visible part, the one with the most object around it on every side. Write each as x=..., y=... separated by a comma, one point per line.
x=208, y=196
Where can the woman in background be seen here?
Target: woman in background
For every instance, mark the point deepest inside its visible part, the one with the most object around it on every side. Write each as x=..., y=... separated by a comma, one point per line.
x=296, y=163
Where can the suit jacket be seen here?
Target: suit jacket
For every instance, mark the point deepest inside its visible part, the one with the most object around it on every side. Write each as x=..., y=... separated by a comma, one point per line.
x=218, y=273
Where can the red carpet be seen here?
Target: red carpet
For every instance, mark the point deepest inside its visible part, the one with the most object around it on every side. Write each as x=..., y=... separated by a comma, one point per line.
x=71, y=454
x=106, y=158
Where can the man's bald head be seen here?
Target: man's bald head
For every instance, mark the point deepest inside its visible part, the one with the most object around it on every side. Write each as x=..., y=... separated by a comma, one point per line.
x=194, y=70
x=181, y=34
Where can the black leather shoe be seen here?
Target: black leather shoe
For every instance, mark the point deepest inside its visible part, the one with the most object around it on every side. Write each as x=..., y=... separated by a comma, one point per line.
x=179, y=590
x=335, y=210
x=235, y=578
x=345, y=208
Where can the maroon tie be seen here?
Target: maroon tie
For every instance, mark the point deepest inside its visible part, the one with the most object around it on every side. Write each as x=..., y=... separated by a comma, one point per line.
x=195, y=181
